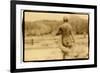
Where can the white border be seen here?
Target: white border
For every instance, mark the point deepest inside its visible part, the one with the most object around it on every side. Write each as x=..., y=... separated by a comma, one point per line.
x=19, y=45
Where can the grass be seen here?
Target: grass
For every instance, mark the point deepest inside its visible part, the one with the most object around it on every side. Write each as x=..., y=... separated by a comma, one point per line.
x=49, y=48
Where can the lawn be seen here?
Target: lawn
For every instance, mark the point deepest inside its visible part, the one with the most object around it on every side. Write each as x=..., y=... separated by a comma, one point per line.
x=49, y=47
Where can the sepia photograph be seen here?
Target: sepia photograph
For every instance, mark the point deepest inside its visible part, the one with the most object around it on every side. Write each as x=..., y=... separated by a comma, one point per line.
x=52, y=36
x=49, y=36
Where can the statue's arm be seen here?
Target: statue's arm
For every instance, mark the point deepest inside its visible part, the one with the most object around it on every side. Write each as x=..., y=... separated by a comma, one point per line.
x=59, y=31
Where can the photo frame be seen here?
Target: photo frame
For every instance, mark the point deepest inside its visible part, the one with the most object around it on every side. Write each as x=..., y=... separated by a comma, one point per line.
x=35, y=43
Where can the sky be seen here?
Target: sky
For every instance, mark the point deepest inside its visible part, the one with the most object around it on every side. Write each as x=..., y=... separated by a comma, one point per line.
x=34, y=16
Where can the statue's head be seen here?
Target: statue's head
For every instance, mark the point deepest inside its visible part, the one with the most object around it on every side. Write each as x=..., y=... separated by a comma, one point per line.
x=65, y=19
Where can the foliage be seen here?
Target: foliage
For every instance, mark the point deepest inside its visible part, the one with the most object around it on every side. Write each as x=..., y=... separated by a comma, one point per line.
x=42, y=27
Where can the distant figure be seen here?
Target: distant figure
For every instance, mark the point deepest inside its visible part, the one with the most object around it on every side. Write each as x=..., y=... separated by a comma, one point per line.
x=67, y=36
x=84, y=34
